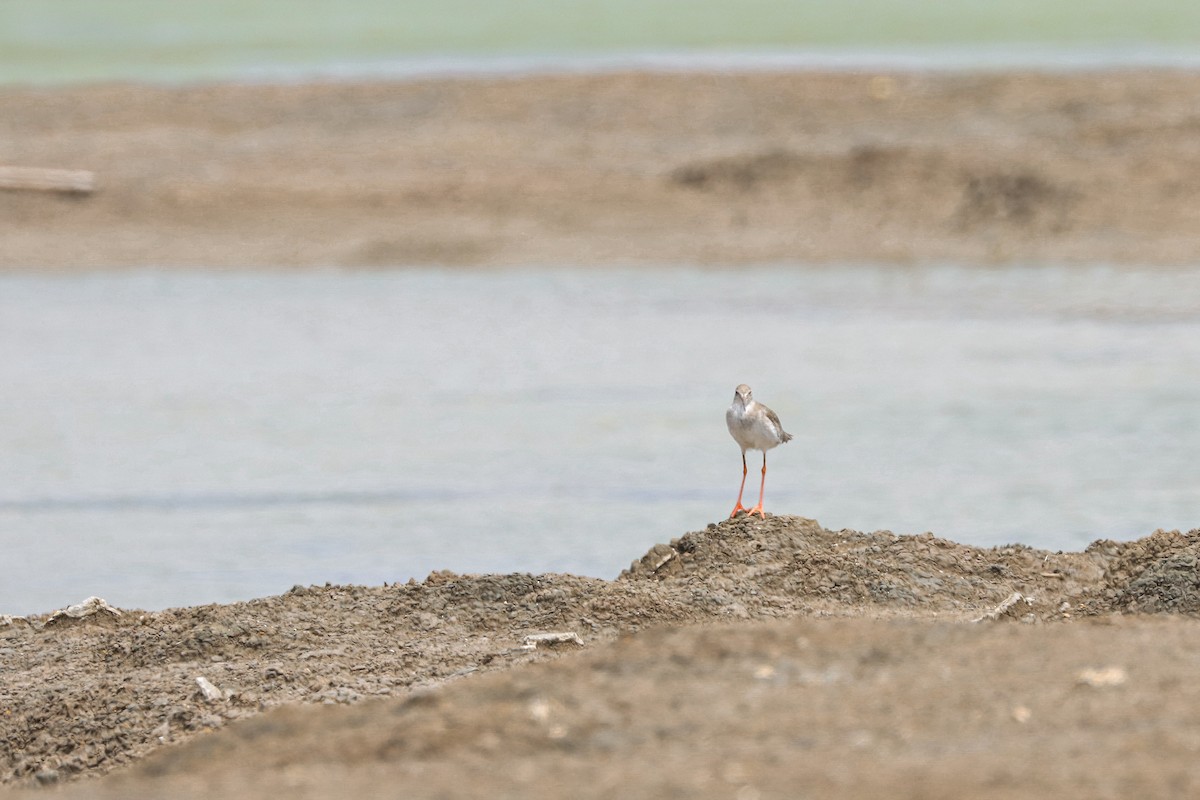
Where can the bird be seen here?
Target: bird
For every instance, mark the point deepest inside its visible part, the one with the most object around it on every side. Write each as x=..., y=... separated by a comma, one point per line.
x=754, y=427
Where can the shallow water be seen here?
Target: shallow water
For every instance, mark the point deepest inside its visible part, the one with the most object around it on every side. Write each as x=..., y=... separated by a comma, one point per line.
x=92, y=40
x=174, y=438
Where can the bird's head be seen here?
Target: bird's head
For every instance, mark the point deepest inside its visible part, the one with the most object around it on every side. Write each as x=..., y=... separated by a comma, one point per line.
x=742, y=395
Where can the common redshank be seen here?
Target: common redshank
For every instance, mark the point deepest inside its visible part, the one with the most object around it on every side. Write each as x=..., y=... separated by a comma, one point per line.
x=754, y=427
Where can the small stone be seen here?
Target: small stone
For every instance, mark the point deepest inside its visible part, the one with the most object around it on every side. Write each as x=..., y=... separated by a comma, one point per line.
x=211, y=693
x=1102, y=677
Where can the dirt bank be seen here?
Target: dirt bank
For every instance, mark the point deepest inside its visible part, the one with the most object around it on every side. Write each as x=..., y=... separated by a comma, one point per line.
x=740, y=660
x=613, y=169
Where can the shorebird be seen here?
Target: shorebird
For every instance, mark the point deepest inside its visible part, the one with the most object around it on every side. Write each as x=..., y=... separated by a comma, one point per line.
x=754, y=427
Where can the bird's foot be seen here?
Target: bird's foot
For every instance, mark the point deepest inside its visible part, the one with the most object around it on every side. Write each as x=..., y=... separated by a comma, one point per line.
x=758, y=509
x=736, y=509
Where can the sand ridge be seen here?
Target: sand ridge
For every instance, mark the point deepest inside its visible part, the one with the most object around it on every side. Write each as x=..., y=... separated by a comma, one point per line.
x=601, y=169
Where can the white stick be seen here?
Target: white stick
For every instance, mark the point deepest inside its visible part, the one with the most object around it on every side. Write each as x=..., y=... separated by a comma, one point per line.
x=534, y=639
x=999, y=610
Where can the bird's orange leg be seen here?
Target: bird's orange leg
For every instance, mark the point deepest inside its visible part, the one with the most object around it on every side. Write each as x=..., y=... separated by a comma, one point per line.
x=758, y=509
x=742, y=488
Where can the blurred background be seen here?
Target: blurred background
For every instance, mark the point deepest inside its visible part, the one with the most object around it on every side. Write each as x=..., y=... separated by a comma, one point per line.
x=366, y=290
x=141, y=40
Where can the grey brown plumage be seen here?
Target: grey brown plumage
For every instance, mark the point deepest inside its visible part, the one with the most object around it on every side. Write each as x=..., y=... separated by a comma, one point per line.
x=754, y=427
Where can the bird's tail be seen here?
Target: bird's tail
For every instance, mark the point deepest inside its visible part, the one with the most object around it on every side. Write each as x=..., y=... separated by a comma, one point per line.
x=785, y=436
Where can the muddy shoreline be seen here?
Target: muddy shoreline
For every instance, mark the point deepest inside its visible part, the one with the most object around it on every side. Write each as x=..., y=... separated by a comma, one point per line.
x=913, y=646
x=630, y=169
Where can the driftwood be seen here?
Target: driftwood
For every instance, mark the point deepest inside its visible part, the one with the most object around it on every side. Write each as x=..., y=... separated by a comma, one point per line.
x=1002, y=609
x=38, y=179
x=534, y=639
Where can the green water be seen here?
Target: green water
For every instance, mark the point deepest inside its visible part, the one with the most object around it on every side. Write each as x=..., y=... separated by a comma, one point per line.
x=52, y=41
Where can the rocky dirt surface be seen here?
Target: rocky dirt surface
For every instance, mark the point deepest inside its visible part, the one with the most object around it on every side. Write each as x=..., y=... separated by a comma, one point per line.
x=613, y=169
x=745, y=660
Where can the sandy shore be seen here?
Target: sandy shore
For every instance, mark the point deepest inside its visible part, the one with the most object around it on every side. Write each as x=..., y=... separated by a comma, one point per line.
x=747, y=659
x=613, y=169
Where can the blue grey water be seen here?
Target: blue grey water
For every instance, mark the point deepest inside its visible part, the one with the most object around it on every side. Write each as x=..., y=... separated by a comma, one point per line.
x=171, y=438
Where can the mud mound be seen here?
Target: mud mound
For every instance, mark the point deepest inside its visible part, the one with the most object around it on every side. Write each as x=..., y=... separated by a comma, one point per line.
x=741, y=172
x=81, y=696
x=84, y=695
x=1159, y=573
x=796, y=564
x=847, y=708
x=1022, y=200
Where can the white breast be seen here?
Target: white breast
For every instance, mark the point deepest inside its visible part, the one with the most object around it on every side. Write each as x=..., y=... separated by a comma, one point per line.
x=751, y=428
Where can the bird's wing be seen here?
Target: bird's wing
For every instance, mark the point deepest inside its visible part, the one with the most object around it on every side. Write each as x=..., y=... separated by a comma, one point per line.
x=771, y=415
